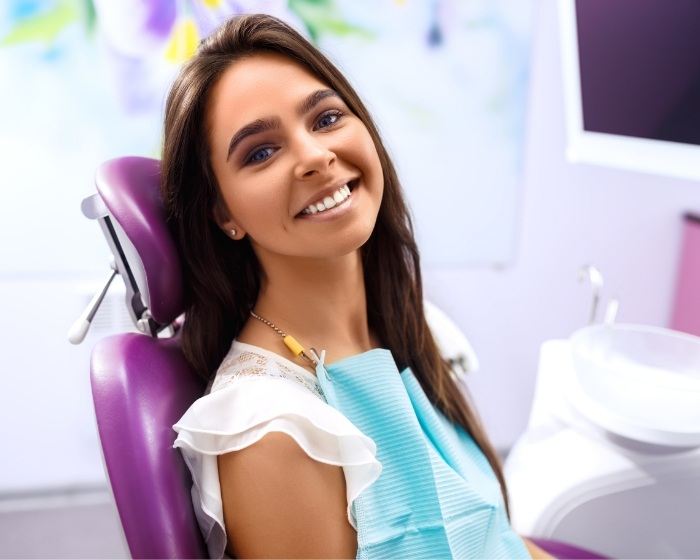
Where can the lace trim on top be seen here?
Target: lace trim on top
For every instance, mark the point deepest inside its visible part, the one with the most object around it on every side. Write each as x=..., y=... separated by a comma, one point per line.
x=246, y=361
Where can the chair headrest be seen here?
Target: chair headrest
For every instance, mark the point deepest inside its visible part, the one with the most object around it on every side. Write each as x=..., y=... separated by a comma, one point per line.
x=130, y=190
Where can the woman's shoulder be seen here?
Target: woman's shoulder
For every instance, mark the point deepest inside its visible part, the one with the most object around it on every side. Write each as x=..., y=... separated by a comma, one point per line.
x=256, y=396
x=245, y=361
x=252, y=388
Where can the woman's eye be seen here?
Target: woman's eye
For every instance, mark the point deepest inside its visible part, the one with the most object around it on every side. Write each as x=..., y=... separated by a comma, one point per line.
x=259, y=155
x=330, y=118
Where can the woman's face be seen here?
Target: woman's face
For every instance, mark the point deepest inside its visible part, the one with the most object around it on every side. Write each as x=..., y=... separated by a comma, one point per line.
x=282, y=141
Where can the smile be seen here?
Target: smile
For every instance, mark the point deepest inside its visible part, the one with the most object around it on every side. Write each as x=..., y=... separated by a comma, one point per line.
x=336, y=199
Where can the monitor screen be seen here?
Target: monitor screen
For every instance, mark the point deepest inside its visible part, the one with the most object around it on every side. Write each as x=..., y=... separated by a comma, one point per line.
x=632, y=83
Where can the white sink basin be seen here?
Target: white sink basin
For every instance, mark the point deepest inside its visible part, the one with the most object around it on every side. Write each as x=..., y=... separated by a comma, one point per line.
x=639, y=381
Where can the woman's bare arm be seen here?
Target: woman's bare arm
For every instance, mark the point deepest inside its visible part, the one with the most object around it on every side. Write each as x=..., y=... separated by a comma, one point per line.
x=280, y=503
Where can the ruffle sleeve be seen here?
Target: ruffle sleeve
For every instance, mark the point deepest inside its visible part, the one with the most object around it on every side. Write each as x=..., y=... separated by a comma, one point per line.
x=242, y=412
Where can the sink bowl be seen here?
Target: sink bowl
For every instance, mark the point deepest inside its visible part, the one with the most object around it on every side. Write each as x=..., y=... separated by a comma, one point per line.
x=639, y=381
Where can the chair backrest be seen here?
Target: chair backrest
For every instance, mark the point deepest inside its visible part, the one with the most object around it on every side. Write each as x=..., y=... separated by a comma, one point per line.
x=141, y=384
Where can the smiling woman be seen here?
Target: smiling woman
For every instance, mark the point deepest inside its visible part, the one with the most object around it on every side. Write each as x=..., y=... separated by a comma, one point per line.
x=291, y=219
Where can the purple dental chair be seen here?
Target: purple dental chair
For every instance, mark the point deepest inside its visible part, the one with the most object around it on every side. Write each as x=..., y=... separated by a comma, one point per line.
x=141, y=384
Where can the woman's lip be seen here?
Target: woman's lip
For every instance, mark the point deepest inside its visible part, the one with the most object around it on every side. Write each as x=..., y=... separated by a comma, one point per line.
x=335, y=212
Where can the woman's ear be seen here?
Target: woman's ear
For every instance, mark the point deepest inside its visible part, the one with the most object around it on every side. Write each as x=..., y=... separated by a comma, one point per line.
x=221, y=216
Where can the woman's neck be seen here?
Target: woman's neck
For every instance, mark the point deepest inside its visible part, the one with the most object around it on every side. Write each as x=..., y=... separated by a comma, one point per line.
x=320, y=302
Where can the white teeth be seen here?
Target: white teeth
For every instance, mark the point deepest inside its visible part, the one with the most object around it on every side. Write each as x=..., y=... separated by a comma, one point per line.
x=328, y=202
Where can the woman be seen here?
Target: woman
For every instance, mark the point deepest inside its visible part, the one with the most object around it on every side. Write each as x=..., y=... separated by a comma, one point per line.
x=348, y=436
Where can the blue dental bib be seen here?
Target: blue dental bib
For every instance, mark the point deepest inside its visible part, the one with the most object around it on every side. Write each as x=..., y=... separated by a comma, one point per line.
x=437, y=496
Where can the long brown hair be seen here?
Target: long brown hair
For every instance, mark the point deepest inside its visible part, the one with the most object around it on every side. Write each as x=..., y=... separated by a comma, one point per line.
x=222, y=278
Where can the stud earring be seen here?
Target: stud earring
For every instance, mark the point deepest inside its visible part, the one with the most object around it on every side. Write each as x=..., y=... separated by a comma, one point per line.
x=233, y=232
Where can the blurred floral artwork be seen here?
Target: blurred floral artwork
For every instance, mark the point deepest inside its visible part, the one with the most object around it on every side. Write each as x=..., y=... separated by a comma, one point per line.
x=145, y=41
x=445, y=79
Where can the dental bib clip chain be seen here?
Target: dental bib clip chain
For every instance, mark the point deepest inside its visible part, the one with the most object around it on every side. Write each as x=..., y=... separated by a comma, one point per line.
x=316, y=359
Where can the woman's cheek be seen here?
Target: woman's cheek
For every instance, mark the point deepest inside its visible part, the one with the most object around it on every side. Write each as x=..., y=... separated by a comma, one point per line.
x=269, y=196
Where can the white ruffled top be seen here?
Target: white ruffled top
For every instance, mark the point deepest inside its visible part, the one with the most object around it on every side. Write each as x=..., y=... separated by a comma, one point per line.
x=255, y=392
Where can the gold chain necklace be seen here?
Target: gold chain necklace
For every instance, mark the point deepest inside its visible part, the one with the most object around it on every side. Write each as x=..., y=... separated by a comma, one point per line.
x=289, y=341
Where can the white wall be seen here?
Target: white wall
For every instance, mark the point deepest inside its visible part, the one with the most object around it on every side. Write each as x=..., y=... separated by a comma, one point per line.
x=627, y=224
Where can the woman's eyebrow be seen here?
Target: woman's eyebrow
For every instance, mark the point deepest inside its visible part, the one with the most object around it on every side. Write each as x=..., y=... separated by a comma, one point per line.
x=273, y=123
x=310, y=101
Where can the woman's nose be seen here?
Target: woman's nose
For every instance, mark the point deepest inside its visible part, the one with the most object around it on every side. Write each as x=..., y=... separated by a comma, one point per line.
x=313, y=157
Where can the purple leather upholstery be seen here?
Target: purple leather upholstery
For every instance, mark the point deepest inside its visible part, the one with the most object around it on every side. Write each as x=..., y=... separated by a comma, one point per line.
x=129, y=187
x=141, y=386
x=565, y=551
